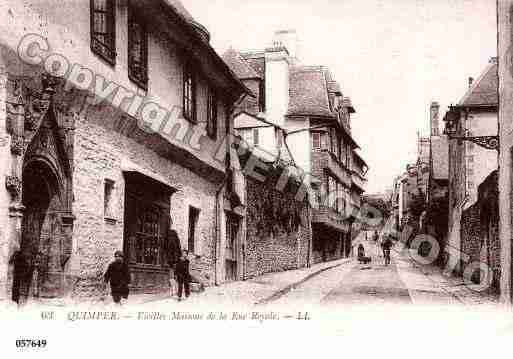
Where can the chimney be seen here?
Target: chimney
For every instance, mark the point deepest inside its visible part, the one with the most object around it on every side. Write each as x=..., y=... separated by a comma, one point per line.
x=289, y=40
x=277, y=63
x=434, y=113
x=470, y=82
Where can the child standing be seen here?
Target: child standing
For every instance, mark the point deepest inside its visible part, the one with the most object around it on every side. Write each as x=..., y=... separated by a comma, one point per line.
x=118, y=275
x=182, y=274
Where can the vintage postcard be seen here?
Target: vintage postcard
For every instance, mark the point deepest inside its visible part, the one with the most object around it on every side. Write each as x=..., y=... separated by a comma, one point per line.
x=290, y=177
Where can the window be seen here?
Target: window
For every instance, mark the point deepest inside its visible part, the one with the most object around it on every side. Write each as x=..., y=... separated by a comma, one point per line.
x=147, y=208
x=261, y=97
x=333, y=139
x=193, y=221
x=256, y=139
x=316, y=140
x=349, y=154
x=212, y=114
x=103, y=34
x=137, y=50
x=107, y=199
x=189, y=94
x=279, y=138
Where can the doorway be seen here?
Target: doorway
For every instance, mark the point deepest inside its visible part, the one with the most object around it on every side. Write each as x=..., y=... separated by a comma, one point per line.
x=37, y=272
x=232, y=247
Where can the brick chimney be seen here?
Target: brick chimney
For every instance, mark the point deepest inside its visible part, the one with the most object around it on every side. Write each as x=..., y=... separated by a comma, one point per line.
x=434, y=113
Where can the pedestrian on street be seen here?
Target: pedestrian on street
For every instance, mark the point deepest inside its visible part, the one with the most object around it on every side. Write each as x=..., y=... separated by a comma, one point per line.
x=174, y=252
x=118, y=274
x=182, y=274
x=387, y=245
x=361, y=251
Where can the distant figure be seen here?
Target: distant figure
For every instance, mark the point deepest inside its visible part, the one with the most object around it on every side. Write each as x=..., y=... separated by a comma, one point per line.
x=361, y=251
x=387, y=245
x=182, y=275
x=118, y=275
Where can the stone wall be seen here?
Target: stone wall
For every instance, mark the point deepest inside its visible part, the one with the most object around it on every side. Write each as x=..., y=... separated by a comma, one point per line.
x=278, y=230
x=480, y=230
x=471, y=233
x=99, y=155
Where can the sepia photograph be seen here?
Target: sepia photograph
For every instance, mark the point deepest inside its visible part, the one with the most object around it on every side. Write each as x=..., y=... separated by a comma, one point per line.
x=198, y=174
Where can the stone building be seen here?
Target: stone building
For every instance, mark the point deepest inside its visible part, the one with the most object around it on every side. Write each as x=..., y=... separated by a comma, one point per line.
x=505, y=87
x=471, y=162
x=307, y=103
x=109, y=127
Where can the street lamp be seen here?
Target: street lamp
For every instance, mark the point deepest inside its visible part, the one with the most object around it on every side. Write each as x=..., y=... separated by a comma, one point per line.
x=451, y=129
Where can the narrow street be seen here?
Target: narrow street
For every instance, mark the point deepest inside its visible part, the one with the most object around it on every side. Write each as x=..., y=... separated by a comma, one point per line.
x=342, y=284
x=400, y=283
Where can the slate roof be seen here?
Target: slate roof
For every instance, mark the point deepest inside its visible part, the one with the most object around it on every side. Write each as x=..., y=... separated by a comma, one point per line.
x=440, y=157
x=239, y=65
x=257, y=61
x=308, y=93
x=484, y=90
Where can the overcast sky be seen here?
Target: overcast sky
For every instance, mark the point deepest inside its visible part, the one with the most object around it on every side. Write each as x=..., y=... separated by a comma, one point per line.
x=392, y=57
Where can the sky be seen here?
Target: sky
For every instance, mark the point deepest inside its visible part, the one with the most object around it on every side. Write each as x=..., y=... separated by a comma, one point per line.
x=392, y=57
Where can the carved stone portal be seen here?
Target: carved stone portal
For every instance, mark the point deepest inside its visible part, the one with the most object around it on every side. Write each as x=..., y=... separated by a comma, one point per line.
x=41, y=182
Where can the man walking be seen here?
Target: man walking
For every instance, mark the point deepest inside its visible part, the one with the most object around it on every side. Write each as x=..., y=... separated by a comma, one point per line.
x=182, y=275
x=387, y=245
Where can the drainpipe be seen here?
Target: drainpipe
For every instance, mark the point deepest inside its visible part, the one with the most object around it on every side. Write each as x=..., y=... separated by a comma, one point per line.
x=217, y=229
x=229, y=114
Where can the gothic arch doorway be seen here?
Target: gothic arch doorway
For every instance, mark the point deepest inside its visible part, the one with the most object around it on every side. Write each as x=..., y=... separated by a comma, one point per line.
x=40, y=273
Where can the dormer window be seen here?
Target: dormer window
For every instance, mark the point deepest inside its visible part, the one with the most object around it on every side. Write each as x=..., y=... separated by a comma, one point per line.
x=103, y=25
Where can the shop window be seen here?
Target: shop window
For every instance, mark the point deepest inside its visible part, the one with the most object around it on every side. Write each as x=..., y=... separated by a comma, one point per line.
x=147, y=217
